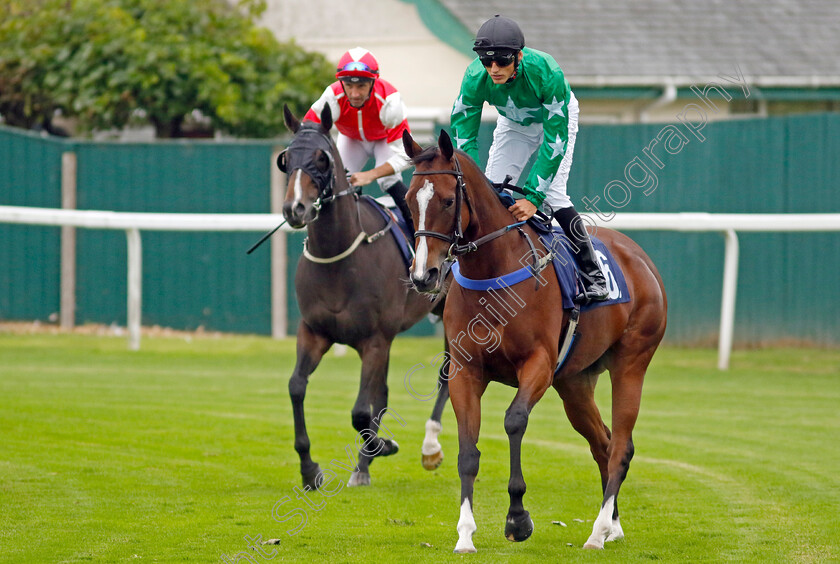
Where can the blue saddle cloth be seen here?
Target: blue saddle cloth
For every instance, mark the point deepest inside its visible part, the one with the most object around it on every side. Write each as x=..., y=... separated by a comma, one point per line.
x=567, y=269
x=569, y=278
x=402, y=236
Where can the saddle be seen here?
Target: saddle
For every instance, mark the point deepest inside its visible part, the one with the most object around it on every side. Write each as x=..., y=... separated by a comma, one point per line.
x=394, y=216
x=567, y=270
x=565, y=265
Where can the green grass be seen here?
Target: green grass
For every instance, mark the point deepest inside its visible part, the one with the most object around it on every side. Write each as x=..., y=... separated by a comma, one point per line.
x=175, y=453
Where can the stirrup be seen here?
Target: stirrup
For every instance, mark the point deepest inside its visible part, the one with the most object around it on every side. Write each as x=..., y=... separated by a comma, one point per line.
x=596, y=294
x=593, y=290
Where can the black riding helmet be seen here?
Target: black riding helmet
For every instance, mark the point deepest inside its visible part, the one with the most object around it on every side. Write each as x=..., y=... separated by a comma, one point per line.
x=499, y=36
x=499, y=32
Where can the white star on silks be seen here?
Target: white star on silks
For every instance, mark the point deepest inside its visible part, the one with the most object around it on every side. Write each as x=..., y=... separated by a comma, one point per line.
x=510, y=111
x=555, y=108
x=544, y=183
x=460, y=142
x=460, y=106
x=558, y=147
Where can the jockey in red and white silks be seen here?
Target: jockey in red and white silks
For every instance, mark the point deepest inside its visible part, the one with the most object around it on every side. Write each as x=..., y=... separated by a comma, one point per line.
x=370, y=117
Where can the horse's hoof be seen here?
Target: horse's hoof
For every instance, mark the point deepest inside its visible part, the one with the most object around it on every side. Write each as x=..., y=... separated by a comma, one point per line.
x=466, y=550
x=312, y=477
x=432, y=461
x=359, y=479
x=389, y=447
x=593, y=545
x=519, y=528
x=617, y=533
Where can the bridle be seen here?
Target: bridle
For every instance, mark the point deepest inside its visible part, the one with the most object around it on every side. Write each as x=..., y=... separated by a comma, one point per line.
x=288, y=162
x=291, y=160
x=460, y=196
x=457, y=249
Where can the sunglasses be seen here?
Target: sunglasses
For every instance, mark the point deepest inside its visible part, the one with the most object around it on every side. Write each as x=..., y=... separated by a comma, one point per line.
x=501, y=59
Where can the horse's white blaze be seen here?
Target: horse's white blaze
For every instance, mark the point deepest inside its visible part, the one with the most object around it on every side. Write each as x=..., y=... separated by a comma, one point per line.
x=298, y=189
x=603, y=525
x=430, y=442
x=424, y=196
x=466, y=528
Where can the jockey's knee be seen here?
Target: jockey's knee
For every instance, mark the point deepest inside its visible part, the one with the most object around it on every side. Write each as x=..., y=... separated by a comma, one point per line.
x=387, y=182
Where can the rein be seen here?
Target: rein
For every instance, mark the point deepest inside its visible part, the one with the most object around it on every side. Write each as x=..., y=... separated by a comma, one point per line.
x=361, y=238
x=456, y=249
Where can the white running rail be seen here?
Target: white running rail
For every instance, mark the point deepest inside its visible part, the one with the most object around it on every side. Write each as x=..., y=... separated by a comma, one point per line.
x=132, y=223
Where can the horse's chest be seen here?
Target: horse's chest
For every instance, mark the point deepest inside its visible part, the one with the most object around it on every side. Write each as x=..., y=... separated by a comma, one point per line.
x=496, y=342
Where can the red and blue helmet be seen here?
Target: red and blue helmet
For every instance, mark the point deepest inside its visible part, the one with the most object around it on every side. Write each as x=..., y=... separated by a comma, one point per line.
x=357, y=65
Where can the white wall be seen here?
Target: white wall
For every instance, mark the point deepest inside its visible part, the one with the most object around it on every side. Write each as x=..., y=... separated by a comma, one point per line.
x=426, y=71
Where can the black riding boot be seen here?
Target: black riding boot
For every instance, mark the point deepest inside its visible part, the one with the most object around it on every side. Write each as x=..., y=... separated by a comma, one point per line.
x=595, y=285
x=397, y=191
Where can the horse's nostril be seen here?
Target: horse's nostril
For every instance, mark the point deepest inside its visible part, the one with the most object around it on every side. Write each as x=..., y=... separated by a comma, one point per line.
x=293, y=210
x=427, y=281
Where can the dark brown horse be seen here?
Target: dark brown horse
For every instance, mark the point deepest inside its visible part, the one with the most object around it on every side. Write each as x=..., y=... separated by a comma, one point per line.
x=457, y=212
x=351, y=288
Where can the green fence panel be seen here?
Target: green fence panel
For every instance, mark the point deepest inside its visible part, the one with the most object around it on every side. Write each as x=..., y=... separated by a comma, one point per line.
x=205, y=279
x=30, y=175
x=190, y=279
x=775, y=165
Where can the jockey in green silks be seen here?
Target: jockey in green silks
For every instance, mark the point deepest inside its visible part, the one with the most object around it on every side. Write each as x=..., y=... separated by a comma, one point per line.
x=537, y=111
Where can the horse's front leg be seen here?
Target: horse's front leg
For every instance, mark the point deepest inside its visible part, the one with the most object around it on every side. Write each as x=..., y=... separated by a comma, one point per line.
x=534, y=380
x=432, y=451
x=310, y=349
x=466, y=391
x=371, y=401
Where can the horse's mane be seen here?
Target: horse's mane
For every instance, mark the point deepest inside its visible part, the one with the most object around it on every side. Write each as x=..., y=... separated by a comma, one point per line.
x=429, y=153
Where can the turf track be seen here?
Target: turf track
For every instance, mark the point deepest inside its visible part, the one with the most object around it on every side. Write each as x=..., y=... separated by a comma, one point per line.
x=175, y=453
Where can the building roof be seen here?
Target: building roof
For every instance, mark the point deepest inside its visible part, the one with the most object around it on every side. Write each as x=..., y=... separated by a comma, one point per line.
x=634, y=42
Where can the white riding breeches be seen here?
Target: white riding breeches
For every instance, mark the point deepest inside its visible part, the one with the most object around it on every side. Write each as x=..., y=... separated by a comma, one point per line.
x=513, y=145
x=355, y=155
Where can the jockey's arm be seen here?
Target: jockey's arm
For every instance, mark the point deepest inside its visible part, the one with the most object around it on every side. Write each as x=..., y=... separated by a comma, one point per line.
x=523, y=209
x=396, y=163
x=364, y=178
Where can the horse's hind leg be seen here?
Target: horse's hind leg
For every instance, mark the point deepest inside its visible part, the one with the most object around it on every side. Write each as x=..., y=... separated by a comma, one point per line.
x=578, y=394
x=432, y=452
x=627, y=378
x=310, y=349
x=371, y=401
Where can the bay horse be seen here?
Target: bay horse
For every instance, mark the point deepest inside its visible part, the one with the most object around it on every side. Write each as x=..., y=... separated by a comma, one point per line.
x=457, y=213
x=351, y=288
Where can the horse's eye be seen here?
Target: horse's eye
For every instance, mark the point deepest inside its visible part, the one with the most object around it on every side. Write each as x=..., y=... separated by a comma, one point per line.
x=322, y=161
x=447, y=203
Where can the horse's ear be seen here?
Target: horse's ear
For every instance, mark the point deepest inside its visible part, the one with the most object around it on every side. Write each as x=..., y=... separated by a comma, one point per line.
x=326, y=118
x=410, y=145
x=445, y=144
x=291, y=121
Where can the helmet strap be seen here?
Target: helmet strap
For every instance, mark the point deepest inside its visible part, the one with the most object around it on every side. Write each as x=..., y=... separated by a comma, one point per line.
x=515, y=68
